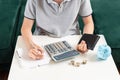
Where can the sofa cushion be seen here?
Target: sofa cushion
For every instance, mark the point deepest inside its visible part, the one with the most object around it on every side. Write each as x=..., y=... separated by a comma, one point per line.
x=8, y=20
x=8, y=12
x=107, y=21
x=6, y=55
x=116, y=56
x=21, y=17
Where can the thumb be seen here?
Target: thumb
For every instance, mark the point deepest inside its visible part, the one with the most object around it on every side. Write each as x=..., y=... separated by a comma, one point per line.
x=40, y=49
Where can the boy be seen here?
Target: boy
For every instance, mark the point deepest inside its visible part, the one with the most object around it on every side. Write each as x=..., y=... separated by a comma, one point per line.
x=56, y=18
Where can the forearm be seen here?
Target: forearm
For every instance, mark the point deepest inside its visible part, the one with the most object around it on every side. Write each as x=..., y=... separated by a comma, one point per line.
x=34, y=51
x=27, y=36
x=88, y=28
x=26, y=32
x=88, y=25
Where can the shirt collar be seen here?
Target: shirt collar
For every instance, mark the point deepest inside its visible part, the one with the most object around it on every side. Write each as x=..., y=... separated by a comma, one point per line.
x=51, y=1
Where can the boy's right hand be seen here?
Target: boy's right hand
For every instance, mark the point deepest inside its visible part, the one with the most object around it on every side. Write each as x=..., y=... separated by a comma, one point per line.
x=36, y=52
x=82, y=47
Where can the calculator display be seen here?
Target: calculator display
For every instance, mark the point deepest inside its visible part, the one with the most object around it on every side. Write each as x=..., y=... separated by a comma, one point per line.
x=60, y=51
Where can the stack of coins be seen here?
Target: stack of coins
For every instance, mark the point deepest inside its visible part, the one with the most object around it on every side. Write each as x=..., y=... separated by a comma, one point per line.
x=77, y=64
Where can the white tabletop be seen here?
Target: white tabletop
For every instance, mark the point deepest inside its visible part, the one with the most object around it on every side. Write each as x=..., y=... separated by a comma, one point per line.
x=93, y=70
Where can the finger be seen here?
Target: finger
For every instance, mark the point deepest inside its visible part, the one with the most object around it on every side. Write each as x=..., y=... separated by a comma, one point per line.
x=39, y=57
x=82, y=42
x=81, y=45
x=31, y=55
x=82, y=49
x=85, y=47
x=37, y=53
x=79, y=48
x=40, y=49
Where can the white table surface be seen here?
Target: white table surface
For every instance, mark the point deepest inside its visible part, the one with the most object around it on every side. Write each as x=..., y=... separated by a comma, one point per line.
x=93, y=70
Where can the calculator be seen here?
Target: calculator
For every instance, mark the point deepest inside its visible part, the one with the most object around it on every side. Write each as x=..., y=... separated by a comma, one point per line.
x=60, y=51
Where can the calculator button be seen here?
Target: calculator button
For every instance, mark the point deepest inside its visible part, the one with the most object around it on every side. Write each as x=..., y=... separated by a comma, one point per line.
x=66, y=44
x=57, y=48
x=47, y=49
x=64, y=47
x=61, y=47
x=52, y=48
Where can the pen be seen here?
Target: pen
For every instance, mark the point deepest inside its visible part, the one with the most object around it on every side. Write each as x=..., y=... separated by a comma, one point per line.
x=18, y=51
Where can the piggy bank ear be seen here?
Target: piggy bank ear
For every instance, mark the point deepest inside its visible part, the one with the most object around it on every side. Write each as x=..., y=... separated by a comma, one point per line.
x=103, y=52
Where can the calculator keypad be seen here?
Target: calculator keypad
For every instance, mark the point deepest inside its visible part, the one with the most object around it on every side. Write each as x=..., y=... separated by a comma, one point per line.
x=60, y=51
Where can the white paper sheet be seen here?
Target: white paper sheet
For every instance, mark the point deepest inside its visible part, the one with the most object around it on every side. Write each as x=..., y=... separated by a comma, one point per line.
x=26, y=62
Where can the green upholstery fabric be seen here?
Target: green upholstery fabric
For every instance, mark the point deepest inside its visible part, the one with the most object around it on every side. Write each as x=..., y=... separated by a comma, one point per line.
x=8, y=12
x=21, y=17
x=106, y=18
x=105, y=15
x=19, y=22
x=8, y=17
x=116, y=56
x=107, y=22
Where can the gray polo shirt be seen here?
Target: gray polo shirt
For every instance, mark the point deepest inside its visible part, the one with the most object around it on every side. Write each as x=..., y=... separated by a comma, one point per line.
x=57, y=20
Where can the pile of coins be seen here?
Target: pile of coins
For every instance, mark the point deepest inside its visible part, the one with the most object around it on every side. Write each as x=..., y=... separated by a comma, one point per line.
x=77, y=64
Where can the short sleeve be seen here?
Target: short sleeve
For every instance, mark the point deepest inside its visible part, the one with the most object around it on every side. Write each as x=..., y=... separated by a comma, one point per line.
x=30, y=10
x=85, y=8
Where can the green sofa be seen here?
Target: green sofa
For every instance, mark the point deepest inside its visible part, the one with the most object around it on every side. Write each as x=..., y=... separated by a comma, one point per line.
x=8, y=24
x=105, y=15
x=107, y=22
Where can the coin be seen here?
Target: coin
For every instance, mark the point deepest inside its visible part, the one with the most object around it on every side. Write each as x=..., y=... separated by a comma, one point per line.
x=72, y=62
x=84, y=61
x=77, y=64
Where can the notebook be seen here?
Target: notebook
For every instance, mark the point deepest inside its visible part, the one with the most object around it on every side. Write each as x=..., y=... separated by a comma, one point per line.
x=26, y=62
x=90, y=39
